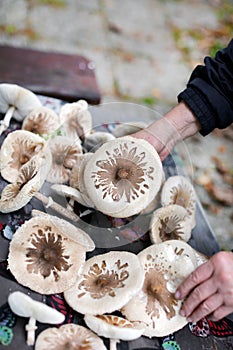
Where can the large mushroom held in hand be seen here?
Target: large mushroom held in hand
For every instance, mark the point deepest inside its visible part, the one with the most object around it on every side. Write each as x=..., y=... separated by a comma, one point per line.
x=16, y=102
x=123, y=176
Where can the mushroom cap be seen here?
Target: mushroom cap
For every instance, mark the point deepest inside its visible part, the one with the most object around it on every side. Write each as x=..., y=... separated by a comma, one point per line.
x=166, y=265
x=179, y=190
x=123, y=176
x=96, y=139
x=29, y=181
x=64, y=153
x=113, y=327
x=170, y=222
x=124, y=129
x=72, y=193
x=77, y=172
x=17, y=149
x=23, y=305
x=69, y=336
x=76, y=120
x=106, y=283
x=42, y=258
x=22, y=99
x=41, y=120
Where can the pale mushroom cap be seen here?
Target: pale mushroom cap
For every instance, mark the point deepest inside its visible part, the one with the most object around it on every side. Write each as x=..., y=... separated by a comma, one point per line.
x=166, y=265
x=179, y=190
x=106, y=283
x=170, y=222
x=72, y=193
x=76, y=120
x=23, y=305
x=17, y=149
x=42, y=258
x=42, y=121
x=123, y=176
x=64, y=153
x=113, y=327
x=96, y=139
x=22, y=99
x=30, y=179
x=125, y=129
x=70, y=336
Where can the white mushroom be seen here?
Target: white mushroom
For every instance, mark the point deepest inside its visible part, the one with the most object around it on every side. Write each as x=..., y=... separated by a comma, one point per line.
x=69, y=337
x=125, y=129
x=96, y=139
x=123, y=176
x=76, y=120
x=114, y=327
x=64, y=153
x=24, y=306
x=166, y=265
x=171, y=222
x=73, y=194
x=42, y=120
x=17, y=149
x=43, y=257
x=179, y=190
x=16, y=102
x=106, y=283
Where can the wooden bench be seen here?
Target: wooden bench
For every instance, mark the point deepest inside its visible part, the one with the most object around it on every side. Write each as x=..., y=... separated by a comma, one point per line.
x=63, y=76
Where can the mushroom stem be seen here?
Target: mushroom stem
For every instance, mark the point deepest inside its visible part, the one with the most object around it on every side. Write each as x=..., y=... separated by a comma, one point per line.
x=30, y=328
x=57, y=207
x=6, y=121
x=113, y=344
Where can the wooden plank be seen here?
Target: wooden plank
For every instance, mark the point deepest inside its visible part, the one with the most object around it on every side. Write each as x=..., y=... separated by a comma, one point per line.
x=64, y=76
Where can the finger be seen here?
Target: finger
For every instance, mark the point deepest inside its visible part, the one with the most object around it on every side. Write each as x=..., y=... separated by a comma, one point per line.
x=197, y=296
x=220, y=312
x=207, y=307
x=198, y=276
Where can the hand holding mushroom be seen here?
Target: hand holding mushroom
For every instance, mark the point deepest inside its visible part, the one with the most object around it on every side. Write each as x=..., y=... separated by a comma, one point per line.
x=209, y=289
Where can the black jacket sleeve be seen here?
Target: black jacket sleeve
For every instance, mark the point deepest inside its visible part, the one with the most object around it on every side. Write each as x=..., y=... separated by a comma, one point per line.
x=209, y=92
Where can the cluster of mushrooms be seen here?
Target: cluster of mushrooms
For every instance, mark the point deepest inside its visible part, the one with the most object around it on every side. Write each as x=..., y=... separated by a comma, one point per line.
x=118, y=176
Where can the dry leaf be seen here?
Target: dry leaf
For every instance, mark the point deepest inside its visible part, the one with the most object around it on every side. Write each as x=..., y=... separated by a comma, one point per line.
x=223, y=195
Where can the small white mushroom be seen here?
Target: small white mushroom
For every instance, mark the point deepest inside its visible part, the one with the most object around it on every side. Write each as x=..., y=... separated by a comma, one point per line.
x=125, y=129
x=106, y=283
x=72, y=193
x=69, y=337
x=114, y=327
x=179, y=190
x=42, y=120
x=171, y=222
x=96, y=139
x=16, y=102
x=76, y=120
x=24, y=306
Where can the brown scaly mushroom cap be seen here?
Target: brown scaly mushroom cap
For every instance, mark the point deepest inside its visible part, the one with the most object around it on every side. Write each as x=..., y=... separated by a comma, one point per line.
x=106, y=283
x=170, y=222
x=123, y=176
x=43, y=258
x=69, y=337
x=29, y=181
x=42, y=121
x=179, y=190
x=64, y=153
x=166, y=265
x=17, y=149
x=75, y=119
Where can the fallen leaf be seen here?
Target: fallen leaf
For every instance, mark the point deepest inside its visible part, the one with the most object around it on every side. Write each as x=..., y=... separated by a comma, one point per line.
x=222, y=194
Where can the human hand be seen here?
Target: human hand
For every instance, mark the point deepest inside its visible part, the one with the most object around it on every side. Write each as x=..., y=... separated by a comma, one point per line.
x=209, y=289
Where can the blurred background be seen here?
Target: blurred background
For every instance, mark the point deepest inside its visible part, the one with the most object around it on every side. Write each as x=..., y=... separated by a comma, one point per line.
x=142, y=51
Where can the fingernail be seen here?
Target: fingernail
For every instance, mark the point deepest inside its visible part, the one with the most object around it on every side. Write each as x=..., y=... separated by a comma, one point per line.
x=182, y=313
x=177, y=295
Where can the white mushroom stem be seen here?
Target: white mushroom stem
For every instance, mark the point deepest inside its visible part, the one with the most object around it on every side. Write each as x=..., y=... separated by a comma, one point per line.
x=57, y=207
x=6, y=121
x=113, y=344
x=31, y=328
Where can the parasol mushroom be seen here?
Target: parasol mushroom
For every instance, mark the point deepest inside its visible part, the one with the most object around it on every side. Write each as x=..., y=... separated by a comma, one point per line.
x=179, y=190
x=24, y=306
x=42, y=120
x=170, y=222
x=96, y=139
x=64, y=153
x=125, y=129
x=123, y=176
x=17, y=149
x=166, y=265
x=16, y=102
x=43, y=257
x=106, y=283
x=114, y=327
x=69, y=337
x=76, y=120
